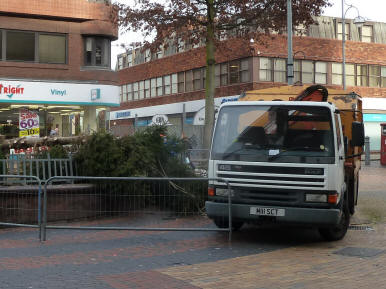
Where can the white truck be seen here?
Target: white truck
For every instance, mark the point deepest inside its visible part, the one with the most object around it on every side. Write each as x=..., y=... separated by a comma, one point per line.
x=291, y=155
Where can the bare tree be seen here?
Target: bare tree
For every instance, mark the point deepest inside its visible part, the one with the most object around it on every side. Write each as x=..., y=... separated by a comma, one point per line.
x=191, y=21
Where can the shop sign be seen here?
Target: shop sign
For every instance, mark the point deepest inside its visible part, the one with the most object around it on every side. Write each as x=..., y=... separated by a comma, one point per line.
x=29, y=123
x=10, y=90
x=159, y=119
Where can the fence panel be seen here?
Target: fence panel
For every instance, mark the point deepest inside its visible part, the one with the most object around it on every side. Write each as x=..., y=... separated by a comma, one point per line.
x=20, y=205
x=132, y=203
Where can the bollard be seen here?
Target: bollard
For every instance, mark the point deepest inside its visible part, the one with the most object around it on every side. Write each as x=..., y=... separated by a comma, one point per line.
x=367, y=151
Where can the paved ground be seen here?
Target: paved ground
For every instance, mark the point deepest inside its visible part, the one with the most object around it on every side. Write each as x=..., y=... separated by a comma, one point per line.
x=257, y=258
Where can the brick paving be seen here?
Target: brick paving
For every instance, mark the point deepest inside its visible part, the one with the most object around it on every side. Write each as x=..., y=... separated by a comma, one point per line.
x=257, y=257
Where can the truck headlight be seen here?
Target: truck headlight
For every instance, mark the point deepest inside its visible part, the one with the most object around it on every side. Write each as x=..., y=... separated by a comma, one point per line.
x=316, y=198
x=224, y=192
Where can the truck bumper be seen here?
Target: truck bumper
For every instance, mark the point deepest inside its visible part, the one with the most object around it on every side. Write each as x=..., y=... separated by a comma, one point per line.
x=301, y=216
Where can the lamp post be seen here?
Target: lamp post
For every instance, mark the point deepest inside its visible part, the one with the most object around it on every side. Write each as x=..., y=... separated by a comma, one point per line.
x=357, y=21
x=290, y=61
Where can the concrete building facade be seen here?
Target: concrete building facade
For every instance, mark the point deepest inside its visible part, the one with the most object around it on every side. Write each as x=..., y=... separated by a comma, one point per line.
x=172, y=81
x=55, y=62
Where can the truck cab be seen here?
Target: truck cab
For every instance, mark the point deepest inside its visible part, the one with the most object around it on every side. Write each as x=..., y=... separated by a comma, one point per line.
x=285, y=163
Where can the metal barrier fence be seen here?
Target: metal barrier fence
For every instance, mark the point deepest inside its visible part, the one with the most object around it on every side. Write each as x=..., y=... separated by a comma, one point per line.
x=131, y=203
x=20, y=206
x=41, y=168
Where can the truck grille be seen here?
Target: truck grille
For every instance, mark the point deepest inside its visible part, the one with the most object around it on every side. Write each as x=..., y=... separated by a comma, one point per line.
x=285, y=177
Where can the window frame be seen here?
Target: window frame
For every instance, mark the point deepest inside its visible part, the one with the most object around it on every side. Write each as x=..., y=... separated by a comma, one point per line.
x=93, y=51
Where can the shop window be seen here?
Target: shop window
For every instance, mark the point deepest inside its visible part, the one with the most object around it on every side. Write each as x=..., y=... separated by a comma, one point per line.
x=159, y=86
x=181, y=82
x=135, y=91
x=383, y=76
x=167, y=84
x=374, y=75
x=245, y=73
x=234, y=72
x=174, y=83
x=20, y=46
x=366, y=33
x=307, y=71
x=189, y=81
x=279, y=70
x=337, y=73
x=147, y=88
x=265, y=72
x=197, y=84
x=362, y=75
x=321, y=72
x=223, y=74
x=350, y=74
x=52, y=48
x=339, y=32
x=97, y=51
x=153, y=89
x=129, y=92
x=141, y=90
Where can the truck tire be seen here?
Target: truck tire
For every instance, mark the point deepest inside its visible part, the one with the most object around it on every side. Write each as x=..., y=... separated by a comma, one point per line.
x=223, y=223
x=339, y=231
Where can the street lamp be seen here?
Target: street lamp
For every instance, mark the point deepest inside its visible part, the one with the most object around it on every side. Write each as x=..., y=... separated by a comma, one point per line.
x=358, y=21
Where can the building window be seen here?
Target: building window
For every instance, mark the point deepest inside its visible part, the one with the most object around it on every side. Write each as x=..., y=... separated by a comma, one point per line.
x=97, y=51
x=129, y=60
x=124, y=92
x=147, y=55
x=217, y=75
x=234, y=72
x=223, y=74
x=203, y=73
x=337, y=73
x=20, y=46
x=141, y=90
x=120, y=62
x=129, y=92
x=197, y=79
x=339, y=32
x=153, y=90
x=321, y=72
x=297, y=71
x=350, y=74
x=1, y=45
x=147, y=88
x=245, y=73
x=181, y=82
x=374, y=75
x=121, y=93
x=52, y=48
x=174, y=83
x=307, y=71
x=167, y=84
x=265, y=72
x=362, y=75
x=135, y=91
x=383, y=76
x=189, y=81
x=159, y=86
x=279, y=70
x=366, y=33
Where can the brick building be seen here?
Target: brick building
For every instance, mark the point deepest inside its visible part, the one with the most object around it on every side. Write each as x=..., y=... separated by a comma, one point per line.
x=55, y=62
x=171, y=81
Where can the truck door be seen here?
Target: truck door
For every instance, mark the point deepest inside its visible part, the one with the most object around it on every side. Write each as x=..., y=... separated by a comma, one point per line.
x=340, y=151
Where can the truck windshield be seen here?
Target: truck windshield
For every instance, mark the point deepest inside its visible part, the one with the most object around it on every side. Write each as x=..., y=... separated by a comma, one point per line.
x=274, y=133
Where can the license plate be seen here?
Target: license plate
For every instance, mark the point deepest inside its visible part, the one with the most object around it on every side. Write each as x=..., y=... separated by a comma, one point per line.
x=267, y=212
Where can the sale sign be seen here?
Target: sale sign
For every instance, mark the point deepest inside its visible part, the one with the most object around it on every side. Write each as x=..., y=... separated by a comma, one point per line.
x=29, y=123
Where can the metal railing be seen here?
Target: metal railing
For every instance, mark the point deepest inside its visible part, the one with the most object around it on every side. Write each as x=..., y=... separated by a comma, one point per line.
x=145, y=204
x=20, y=206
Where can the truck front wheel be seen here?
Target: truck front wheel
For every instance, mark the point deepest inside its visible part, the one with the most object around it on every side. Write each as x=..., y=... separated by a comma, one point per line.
x=339, y=231
x=223, y=223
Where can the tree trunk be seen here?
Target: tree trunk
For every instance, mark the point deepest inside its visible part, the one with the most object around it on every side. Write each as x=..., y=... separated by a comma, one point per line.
x=210, y=77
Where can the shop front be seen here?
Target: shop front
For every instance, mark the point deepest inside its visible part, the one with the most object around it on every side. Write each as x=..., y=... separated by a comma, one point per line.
x=37, y=108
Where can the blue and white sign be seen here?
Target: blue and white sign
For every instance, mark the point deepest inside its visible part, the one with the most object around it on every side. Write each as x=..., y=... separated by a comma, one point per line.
x=374, y=117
